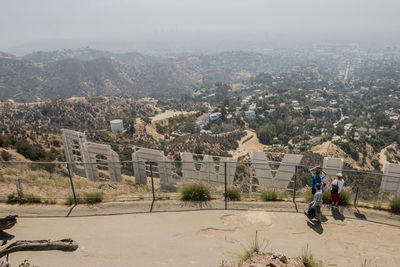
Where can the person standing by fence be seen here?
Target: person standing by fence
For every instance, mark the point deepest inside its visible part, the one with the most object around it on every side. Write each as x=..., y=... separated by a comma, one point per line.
x=316, y=204
x=337, y=186
x=316, y=177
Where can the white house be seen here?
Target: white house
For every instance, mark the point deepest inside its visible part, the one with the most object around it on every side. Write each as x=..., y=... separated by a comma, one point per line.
x=250, y=114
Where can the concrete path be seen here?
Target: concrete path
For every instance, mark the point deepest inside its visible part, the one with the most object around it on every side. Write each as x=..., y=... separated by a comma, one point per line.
x=203, y=237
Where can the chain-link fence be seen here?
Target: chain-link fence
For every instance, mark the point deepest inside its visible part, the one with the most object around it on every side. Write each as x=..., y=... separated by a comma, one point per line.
x=231, y=184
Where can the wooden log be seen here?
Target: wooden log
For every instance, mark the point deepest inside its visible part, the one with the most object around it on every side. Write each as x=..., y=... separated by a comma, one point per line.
x=38, y=245
x=8, y=222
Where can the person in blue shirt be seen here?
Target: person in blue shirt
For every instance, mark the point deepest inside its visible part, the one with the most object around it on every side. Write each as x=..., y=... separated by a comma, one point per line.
x=316, y=177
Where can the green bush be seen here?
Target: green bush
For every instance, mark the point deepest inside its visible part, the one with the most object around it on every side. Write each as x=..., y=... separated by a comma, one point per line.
x=49, y=201
x=5, y=155
x=13, y=199
x=32, y=152
x=195, y=192
x=87, y=198
x=92, y=198
x=70, y=200
x=395, y=205
x=4, y=141
x=49, y=167
x=345, y=198
x=270, y=195
x=31, y=199
x=233, y=194
x=309, y=197
x=24, y=199
x=326, y=197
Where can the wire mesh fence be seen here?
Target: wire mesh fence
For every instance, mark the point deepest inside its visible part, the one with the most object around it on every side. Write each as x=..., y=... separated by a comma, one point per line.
x=227, y=181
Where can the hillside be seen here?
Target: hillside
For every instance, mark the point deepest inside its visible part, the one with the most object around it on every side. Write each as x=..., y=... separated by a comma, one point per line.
x=24, y=80
x=89, y=72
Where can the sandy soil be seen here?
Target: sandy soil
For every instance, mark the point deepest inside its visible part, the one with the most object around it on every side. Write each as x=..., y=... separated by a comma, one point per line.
x=246, y=144
x=206, y=237
x=168, y=114
x=151, y=130
x=328, y=149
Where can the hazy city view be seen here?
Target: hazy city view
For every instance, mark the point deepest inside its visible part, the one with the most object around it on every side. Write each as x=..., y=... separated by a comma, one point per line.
x=195, y=133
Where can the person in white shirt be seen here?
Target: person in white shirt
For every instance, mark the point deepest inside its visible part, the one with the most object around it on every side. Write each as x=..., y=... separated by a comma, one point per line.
x=337, y=186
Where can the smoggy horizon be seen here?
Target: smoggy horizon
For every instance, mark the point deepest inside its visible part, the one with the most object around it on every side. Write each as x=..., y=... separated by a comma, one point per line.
x=176, y=25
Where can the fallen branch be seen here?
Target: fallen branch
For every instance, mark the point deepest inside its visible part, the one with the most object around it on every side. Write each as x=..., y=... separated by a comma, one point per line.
x=38, y=245
x=8, y=222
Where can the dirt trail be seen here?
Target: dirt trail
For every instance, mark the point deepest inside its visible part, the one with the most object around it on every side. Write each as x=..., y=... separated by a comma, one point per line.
x=169, y=114
x=248, y=143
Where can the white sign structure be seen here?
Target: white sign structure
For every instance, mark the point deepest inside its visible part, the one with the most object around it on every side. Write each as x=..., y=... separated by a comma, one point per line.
x=106, y=160
x=391, y=178
x=90, y=159
x=142, y=157
x=211, y=169
x=332, y=166
x=75, y=150
x=283, y=175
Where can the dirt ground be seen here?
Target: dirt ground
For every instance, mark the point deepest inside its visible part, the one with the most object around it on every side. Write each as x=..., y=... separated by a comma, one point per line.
x=177, y=234
x=248, y=143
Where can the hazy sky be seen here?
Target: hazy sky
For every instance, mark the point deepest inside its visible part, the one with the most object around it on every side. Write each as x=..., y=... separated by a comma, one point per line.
x=24, y=21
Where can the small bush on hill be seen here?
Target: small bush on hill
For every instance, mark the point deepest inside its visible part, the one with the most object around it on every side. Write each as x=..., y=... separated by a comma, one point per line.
x=94, y=197
x=87, y=198
x=32, y=152
x=4, y=141
x=270, y=195
x=233, y=194
x=24, y=199
x=195, y=192
x=395, y=205
x=70, y=200
x=5, y=155
x=49, y=167
x=49, y=201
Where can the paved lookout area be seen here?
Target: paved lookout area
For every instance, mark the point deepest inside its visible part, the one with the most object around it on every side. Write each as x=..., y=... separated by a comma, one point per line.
x=204, y=237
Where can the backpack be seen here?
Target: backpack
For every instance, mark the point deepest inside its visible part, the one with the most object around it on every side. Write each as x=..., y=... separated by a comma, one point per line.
x=335, y=189
x=311, y=213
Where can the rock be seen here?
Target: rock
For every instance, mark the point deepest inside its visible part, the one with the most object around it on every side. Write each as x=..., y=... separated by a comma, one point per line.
x=280, y=257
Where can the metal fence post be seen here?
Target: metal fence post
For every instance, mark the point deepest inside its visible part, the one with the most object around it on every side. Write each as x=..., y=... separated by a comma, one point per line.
x=295, y=184
x=251, y=182
x=355, y=198
x=152, y=180
x=226, y=196
x=72, y=183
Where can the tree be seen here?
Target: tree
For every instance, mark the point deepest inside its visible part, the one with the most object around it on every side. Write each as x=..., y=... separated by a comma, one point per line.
x=340, y=130
x=266, y=133
x=4, y=141
x=280, y=127
x=306, y=112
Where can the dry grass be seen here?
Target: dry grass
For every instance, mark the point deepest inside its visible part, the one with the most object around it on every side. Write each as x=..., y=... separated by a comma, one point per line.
x=50, y=186
x=309, y=260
